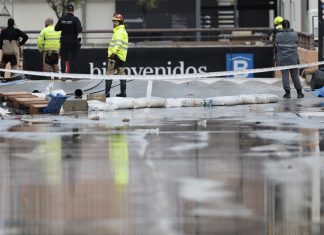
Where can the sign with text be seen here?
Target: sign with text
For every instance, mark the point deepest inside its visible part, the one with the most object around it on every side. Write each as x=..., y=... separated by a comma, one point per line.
x=167, y=60
x=238, y=62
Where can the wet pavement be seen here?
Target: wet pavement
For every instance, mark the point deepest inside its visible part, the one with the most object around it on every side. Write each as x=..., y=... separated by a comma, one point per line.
x=235, y=170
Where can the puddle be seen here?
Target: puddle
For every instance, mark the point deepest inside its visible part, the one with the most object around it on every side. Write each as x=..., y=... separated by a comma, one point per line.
x=204, y=176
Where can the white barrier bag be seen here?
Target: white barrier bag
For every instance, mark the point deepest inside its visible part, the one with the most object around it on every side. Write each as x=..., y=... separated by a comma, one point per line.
x=156, y=102
x=184, y=102
x=272, y=98
x=120, y=102
x=224, y=100
x=95, y=105
x=140, y=103
x=259, y=98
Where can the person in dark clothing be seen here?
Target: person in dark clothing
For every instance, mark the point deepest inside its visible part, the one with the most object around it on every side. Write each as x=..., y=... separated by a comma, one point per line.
x=287, y=54
x=10, y=40
x=70, y=26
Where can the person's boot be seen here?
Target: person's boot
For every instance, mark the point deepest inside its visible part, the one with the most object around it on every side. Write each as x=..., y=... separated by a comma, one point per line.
x=287, y=94
x=300, y=93
x=121, y=95
x=107, y=87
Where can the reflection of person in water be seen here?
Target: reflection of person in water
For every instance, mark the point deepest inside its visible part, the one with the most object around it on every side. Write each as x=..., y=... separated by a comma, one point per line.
x=52, y=150
x=71, y=150
x=118, y=155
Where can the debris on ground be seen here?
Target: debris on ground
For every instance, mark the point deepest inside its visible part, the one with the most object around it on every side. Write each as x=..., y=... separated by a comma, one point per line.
x=125, y=120
x=36, y=120
x=95, y=118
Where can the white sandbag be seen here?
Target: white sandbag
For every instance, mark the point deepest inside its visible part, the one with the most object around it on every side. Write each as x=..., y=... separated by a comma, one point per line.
x=184, y=102
x=249, y=99
x=191, y=102
x=224, y=100
x=120, y=102
x=272, y=98
x=95, y=105
x=173, y=103
x=153, y=102
x=156, y=102
x=261, y=99
x=141, y=103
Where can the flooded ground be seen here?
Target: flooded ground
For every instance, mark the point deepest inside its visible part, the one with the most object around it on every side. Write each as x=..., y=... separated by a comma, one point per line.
x=248, y=169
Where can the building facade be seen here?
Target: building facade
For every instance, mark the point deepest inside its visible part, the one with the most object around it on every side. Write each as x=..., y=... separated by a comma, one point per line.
x=94, y=14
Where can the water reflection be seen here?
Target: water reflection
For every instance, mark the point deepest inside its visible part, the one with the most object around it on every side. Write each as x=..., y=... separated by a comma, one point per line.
x=216, y=178
x=118, y=155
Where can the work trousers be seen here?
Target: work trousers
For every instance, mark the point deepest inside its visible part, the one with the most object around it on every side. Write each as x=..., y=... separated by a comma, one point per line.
x=116, y=67
x=69, y=59
x=12, y=59
x=50, y=67
x=294, y=77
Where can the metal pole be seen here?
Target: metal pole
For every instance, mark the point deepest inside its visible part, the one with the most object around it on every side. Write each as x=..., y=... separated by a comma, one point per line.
x=320, y=31
x=198, y=19
x=12, y=8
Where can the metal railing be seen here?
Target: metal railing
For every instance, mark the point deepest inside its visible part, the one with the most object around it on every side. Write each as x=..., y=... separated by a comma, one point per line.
x=188, y=36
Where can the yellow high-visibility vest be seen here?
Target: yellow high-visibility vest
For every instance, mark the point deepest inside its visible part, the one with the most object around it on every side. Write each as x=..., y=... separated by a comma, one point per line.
x=119, y=43
x=49, y=39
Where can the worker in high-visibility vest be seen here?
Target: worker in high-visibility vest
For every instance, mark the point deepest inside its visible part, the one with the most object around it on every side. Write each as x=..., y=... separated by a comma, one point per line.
x=117, y=53
x=48, y=44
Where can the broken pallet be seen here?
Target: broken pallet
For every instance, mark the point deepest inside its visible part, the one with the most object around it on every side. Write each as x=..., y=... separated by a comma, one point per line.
x=24, y=102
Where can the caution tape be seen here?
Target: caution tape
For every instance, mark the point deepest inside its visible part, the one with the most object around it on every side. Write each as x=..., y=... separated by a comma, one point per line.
x=192, y=76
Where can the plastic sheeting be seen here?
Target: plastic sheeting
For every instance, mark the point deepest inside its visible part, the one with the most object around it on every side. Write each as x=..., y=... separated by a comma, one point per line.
x=319, y=92
x=157, y=102
x=3, y=112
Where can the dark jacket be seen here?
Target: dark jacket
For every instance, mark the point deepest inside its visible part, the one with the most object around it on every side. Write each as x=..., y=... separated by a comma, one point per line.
x=10, y=33
x=286, y=44
x=70, y=26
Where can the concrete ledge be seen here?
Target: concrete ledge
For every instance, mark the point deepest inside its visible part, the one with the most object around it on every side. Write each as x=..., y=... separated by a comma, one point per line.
x=75, y=105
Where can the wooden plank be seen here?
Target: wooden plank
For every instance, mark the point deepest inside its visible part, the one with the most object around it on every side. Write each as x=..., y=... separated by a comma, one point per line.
x=27, y=99
x=9, y=95
x=37, y=108
x=39, y=105
x=28, y=104
x=14, y=93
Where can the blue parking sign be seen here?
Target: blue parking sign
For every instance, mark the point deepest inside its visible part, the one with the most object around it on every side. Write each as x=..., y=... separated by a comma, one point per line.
x=237, y=62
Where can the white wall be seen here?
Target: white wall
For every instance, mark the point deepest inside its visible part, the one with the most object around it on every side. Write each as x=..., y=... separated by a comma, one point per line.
x=31, y=14
x=313, y=4
x=312, y=21
x=298, y=15
x=98, y=15
x=291, y=10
